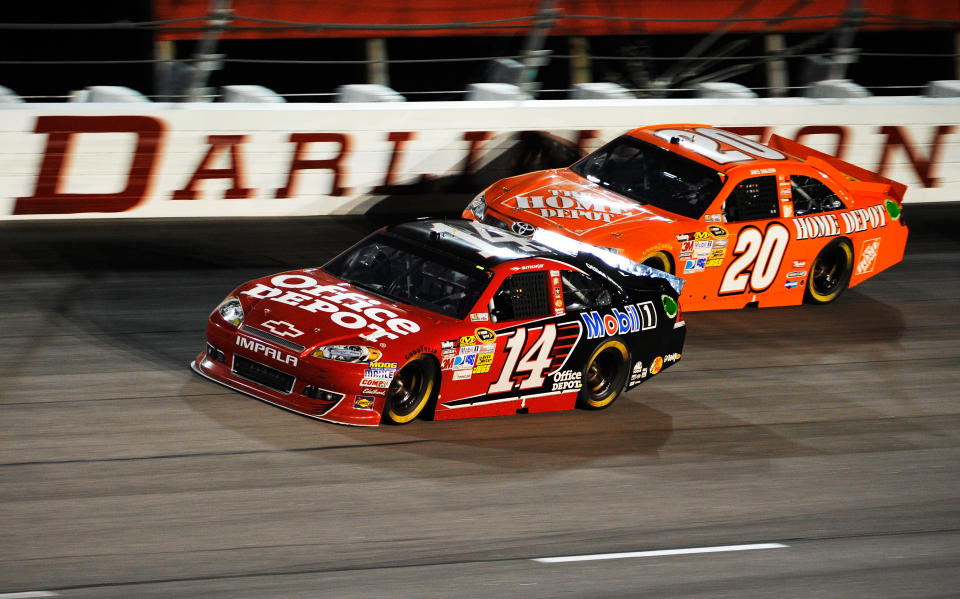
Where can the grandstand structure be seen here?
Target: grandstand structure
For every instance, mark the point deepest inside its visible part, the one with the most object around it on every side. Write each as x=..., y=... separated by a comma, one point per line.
x=422, y=50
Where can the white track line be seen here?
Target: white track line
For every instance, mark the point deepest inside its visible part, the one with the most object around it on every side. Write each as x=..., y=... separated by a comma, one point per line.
x=659, y=553
x=28, y=595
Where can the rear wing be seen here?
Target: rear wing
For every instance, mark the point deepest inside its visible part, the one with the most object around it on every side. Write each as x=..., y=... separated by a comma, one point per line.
x=855, y=178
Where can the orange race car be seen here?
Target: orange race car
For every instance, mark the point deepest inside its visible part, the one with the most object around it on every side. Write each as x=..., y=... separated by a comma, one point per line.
x=741, y=221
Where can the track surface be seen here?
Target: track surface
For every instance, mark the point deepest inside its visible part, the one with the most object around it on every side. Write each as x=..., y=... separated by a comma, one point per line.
x=832, y=430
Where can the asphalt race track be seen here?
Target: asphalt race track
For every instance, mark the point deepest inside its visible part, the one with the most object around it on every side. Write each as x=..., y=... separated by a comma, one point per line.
x=822, y=442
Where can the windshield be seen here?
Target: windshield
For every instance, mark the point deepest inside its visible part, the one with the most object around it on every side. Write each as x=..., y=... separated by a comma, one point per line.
x=410, y=274
x=652, y=175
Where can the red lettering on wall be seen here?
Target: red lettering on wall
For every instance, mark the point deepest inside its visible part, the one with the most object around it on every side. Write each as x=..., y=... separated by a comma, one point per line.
x=398, y=138
x=234, y=172
x=583, y=136
x=924, y=168
x=836, y=130
x=47, y=199
x=475, y=138
x=300, y=163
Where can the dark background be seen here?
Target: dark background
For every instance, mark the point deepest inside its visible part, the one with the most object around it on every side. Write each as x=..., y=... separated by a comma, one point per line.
x=909, y=74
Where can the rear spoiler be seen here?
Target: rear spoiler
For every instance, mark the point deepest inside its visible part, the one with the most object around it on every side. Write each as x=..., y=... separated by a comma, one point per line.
x=852, y=176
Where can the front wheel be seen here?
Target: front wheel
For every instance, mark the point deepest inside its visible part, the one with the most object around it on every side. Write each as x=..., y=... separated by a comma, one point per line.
x=830, y=272
x=604, y=376
x=410, y=390
x=660, y=261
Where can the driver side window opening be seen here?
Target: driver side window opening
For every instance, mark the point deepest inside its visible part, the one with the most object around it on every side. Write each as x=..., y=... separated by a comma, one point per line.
x=811, y=196
x=752, y=199
x=580, y=292
x=522, y=295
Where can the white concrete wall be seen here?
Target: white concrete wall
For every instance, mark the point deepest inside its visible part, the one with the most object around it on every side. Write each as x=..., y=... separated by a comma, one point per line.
x=81, y=161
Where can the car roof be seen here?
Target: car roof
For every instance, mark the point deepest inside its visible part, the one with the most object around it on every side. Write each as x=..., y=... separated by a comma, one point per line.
x=488, y=246
x=754, y=155
x=474, y=242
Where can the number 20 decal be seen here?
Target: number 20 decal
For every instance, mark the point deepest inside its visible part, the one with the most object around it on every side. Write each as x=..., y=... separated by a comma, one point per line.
x=758, y=258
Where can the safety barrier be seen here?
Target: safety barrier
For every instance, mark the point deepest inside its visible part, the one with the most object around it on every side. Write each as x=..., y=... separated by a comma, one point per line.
x=224, y=160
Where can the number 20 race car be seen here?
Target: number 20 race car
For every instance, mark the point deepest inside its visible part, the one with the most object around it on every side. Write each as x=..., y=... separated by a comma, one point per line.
x=740, y=221
x=449, y=319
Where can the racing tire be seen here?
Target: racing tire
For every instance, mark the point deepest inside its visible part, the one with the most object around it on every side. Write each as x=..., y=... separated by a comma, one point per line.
x=830, y=272
x=604, y=376
x=410, y=390
x=660, y=261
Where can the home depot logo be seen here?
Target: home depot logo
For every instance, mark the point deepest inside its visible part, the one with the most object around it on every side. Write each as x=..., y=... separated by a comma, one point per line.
x=868, y=255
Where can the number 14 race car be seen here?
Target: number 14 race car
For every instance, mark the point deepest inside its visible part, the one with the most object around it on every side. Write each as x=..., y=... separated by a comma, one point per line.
x=449, y=319
x=740, y=221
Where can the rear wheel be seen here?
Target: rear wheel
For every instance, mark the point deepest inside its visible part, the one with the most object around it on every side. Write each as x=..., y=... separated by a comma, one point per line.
x=830, y=272
x=604, y=375
x=410, y=390
x=660, y=261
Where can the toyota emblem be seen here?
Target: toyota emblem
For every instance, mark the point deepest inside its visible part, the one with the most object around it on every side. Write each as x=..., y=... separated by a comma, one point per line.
x=524, y=229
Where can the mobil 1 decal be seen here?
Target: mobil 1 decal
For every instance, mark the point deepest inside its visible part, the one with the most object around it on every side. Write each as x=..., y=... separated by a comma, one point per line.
x=757, y=258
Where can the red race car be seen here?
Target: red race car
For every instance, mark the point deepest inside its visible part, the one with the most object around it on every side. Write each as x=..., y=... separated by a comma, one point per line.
x=449, y=319
x=740, y=221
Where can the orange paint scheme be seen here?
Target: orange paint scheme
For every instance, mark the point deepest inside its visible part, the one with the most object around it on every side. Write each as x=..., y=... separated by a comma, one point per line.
x=740, y=221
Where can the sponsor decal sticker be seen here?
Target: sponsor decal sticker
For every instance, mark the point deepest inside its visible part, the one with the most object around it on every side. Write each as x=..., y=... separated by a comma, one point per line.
x=480, y=317
x=574, y=205
x=638, y=373
x=799, y=263
x=717, y=231
x=373, y=391
x=462, y=375
x=363, y=402
x=377, y=383
x=345, y=308
x=567, y=379
x=656, y=366
x=796, y=274
x=868, y=255
x=714, y=218
x=670, y=358
x=466, y=362
x=379, y=373
x=791, y=284
x=633, y=318
x=485, y=335
x=846, y=223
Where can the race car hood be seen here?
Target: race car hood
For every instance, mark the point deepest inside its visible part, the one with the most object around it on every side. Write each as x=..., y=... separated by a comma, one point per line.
x=563, y=201
x=310, y=308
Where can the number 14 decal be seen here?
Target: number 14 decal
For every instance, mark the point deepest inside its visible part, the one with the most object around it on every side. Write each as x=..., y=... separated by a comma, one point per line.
x=527, y=370
x=757, y=261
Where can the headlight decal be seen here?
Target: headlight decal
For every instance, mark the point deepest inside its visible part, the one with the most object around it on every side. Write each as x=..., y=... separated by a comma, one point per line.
x=356, y=354
x=231, y=310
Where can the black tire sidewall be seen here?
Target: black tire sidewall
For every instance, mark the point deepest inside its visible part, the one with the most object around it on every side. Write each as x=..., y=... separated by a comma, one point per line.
x=428, y=370
x=808, y=293
x=584, y=399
